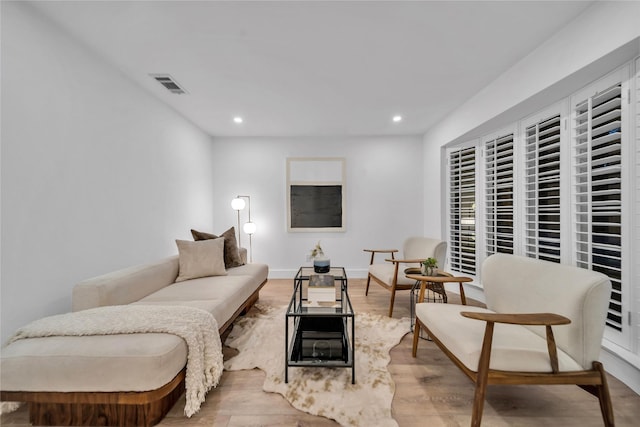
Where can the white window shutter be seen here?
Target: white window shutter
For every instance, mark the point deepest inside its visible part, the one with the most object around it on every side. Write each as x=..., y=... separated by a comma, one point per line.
x=542, y=189
x=597, y=138
x=462, y=206
x=499, y=195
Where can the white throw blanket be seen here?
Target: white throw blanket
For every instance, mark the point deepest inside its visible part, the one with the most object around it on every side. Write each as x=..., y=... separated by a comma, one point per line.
x=197, y=327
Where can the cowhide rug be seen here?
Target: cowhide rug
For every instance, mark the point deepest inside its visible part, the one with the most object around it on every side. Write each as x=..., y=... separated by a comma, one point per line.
x=323, y=391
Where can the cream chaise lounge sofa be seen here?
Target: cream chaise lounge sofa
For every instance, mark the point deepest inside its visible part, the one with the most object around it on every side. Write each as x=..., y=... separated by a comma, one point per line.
x=124, y=379
x=543, y=324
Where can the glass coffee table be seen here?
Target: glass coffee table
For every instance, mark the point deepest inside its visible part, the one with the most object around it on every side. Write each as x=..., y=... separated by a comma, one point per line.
x=322, y=332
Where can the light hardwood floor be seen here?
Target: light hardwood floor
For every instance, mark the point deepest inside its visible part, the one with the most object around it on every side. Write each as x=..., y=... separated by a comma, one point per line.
x=430, y=390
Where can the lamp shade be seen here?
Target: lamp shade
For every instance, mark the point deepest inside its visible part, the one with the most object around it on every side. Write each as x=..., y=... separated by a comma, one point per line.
x=238, y=204
x=249, y=227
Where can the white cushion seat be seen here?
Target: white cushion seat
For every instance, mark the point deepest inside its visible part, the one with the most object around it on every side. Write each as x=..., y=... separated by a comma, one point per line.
x=514, y=347
x=386, y=273
x=219, y=295
x=100, y=363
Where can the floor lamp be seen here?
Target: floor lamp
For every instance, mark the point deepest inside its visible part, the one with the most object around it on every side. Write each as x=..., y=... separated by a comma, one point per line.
x=249, y=227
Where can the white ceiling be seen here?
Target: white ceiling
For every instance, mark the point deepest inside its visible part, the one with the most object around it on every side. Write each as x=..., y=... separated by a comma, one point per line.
x=314, y=68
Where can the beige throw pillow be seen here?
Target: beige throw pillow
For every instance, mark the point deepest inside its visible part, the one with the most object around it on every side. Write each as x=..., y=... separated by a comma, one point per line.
x=200, y=259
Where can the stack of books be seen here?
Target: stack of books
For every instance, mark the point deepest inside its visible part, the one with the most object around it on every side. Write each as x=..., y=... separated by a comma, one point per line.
x=322, y=288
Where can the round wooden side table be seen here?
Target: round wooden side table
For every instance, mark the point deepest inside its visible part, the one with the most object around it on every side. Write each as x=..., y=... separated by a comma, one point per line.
x=436, y=284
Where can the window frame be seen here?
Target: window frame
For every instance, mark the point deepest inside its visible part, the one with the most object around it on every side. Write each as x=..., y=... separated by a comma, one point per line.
x=621, y=75
x=558, y=109
x=449, y=226
x=510, y=131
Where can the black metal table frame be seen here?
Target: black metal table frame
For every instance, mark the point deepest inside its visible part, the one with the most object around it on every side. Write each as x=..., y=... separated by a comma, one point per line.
x=297, y=311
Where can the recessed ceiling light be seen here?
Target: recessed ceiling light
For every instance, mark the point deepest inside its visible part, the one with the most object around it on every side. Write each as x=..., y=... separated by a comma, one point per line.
x=397, y=119
x=237, y=119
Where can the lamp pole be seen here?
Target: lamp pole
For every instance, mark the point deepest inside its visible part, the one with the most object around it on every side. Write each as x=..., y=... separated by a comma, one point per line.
x=249, y=227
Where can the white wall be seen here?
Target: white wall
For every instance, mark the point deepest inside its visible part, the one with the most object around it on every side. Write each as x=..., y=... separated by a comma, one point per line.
x=384, y=196
x=96, y=174
x=433, y=192
x=570, y=59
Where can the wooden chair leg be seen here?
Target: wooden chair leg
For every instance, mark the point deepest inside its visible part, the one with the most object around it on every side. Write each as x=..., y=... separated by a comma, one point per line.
x=478, y=404
x=482, y=376
x=393, y=299
x=463, y=298
x=601, y=391
x=373, y=254
x=416, y=338
x=393, y=288
x=604, y=397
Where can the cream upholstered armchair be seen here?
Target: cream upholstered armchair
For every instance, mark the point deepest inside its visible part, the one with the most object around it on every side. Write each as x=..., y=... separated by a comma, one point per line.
x=390, y=276
x=543, y=324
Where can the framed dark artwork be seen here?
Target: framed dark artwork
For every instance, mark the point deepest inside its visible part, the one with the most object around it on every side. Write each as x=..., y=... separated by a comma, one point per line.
x=315, y=195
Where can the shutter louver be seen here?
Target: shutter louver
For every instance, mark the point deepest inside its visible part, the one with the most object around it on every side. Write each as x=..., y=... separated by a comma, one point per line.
x=499, y=195
x=462, y=219
x=597, y=175
x=542, y=190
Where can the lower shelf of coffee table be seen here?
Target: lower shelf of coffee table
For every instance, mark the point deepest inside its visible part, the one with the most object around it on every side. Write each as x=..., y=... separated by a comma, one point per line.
x=321, y=341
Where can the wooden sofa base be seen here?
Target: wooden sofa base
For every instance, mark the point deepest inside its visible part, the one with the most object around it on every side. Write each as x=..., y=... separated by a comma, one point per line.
x=125, y=409
x=98, y=408
x=593, y=381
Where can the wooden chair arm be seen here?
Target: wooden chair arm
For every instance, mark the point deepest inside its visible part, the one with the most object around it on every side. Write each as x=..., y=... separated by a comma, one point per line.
x=406, y=261
x=528, y=319
x=375, y=251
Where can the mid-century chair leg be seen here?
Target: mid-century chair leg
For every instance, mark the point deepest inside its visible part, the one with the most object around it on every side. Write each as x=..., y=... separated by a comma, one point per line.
x=604, y=397
x=601, y=391
x=366, y=291
x=482, y=376
x=463, y=298
x=416, y=337
x=478, y=405
x=393, y=298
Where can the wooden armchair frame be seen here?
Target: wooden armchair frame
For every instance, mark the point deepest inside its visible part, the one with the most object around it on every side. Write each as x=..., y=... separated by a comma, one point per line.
x=594, y=381
x=395, y=286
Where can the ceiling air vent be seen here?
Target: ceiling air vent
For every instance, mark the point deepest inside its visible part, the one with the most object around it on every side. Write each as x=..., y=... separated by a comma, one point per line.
x=168, y=82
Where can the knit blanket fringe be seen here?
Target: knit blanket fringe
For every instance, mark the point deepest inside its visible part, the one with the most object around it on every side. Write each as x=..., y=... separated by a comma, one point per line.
x=197, y=327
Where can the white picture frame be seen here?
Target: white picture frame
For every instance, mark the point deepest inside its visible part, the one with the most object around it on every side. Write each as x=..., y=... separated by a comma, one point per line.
x=316, y=194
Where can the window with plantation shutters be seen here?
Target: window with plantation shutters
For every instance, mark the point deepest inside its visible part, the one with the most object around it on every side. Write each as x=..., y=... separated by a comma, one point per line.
x=498, y=195
x=560, y=185
x=597, y=189
x=462, y=210
x=542, y=189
